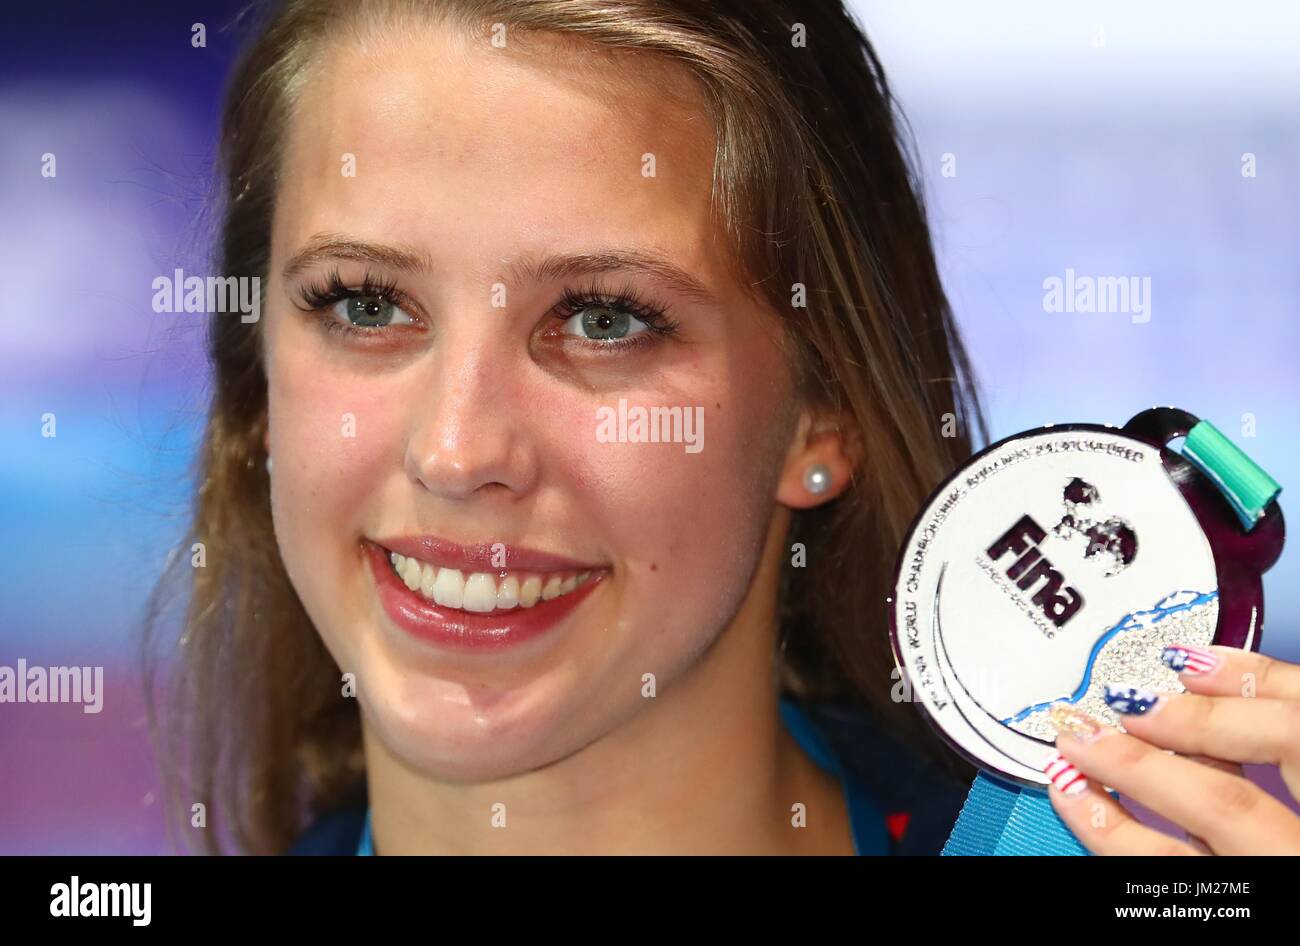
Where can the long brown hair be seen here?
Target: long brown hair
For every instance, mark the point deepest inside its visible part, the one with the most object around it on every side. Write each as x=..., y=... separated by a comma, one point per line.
x=816, y=188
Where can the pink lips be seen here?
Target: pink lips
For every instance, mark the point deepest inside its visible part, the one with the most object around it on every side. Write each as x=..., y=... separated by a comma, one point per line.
x=481, y=558
x=463, y=630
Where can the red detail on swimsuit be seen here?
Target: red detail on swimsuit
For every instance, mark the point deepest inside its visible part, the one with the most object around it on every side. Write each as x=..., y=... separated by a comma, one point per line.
x=897, y=824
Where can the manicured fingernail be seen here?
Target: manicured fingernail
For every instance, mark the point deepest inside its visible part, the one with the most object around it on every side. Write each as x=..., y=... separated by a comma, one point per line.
x=1130, y=700
x=1064, y=776
x=1070, y=720
x=1184, y=658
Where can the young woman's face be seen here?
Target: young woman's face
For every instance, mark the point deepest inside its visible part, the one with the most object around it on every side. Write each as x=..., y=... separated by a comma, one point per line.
x=459, y=396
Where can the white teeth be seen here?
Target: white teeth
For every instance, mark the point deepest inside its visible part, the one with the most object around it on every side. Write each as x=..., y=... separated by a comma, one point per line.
x=530, y=592
x=449, y=590
x=508, y=593
x=482, y=592
x=428, y=578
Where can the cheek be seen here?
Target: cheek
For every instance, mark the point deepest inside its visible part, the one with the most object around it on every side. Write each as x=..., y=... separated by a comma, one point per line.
x=686, y=527
x=334, y=438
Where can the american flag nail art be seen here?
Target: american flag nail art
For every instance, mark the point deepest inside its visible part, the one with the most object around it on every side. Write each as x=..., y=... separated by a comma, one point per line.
x=1184, y=658
x=1130, y=700
x=1064, y=776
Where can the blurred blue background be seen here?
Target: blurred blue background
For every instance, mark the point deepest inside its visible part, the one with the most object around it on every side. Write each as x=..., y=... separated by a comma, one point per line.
x=1103, y=138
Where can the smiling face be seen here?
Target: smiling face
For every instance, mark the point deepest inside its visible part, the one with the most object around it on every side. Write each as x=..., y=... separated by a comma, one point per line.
x=459, y=393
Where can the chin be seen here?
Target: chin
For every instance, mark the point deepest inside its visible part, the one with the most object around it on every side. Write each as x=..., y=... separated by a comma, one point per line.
x=458, y=732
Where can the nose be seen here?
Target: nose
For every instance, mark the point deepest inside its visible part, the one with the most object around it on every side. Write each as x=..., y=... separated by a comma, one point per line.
x=470, y=432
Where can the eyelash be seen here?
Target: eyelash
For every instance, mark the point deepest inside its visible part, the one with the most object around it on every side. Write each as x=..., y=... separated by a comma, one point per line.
x=318, y=297
x=625, y=299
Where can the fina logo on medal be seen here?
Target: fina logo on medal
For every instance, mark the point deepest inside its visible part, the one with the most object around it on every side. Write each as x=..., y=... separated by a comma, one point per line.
x=1111, y=543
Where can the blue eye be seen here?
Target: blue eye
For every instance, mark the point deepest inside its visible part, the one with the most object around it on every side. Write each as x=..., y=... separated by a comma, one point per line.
x=612, y=320
x=604, y=323
x=364, y=310
x=370, y=311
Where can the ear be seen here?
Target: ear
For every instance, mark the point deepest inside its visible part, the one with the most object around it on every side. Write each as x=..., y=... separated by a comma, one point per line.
x=817, y=441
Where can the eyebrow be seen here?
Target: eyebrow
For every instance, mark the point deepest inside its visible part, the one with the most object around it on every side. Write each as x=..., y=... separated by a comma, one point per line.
x=327, y=246
x=546, y=268
x=556, y=266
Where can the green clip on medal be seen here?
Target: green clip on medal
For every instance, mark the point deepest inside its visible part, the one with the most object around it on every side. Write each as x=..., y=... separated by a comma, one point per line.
x=1057, y=560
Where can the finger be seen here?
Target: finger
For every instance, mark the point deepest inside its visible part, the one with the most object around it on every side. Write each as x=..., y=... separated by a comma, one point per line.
x=1230, y=671
x=1232, y=768
x=1222, y=765
x=1233, y=728
x=1101, y=824
x=1231, y=814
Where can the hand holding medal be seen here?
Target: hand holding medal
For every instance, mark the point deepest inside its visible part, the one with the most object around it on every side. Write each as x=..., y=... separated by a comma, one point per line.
x=1241, y=707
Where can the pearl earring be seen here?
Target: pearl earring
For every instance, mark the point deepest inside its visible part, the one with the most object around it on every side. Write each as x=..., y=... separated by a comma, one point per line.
x=268, y=466
x=817, y=478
